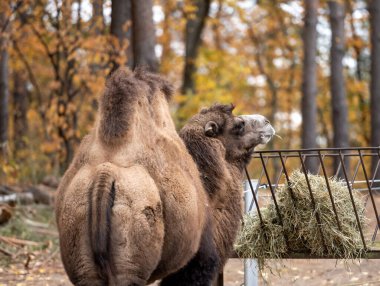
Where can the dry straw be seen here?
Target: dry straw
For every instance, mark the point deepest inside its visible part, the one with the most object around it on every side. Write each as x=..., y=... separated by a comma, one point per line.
x=300, y=226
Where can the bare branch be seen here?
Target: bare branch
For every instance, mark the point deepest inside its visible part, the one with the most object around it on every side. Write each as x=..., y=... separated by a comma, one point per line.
x=14, y=10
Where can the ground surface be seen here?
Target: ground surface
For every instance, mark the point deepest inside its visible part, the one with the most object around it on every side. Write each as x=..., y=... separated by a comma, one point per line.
x=292, y=272
x=34, y=259
x=310, y=273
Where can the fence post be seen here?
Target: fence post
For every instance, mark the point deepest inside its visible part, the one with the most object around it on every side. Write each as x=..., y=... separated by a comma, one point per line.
x=251, y=277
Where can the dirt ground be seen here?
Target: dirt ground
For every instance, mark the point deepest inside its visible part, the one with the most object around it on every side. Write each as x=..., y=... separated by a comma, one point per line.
x=290, y=272
x=309, y=272
x=43, y=267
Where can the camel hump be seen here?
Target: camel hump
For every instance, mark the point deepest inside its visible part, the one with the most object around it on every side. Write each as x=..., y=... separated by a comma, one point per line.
x=117, y=105
x=101, y=200
x=155, y=82
x=124, y=91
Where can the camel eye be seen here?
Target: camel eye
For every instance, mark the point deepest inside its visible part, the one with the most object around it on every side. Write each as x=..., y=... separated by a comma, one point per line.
x=239, y=127
x=241, y=124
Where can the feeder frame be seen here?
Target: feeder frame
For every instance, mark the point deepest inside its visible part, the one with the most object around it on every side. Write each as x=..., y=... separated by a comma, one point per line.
x=367, y=162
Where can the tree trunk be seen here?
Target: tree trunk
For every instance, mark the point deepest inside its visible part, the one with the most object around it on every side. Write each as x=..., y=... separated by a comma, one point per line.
x=79, y=15
x=169, y=8
x=363, y=110
x=337, y=83
x=121, y=21
x=309, y=81
x=20, y=108
x=97, y=20
x=66, y=10
x=3, y=85
x=144, y=36
x=374, y=11
x=194, y=28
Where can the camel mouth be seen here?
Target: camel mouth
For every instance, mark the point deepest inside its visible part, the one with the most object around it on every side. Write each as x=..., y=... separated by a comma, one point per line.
x=265, y=137
x=258, y=130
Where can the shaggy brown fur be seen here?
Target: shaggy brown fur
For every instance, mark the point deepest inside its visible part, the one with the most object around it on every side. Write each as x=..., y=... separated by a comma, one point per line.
x=220, y=162
x=221, y=155
x=118, y=102
x=131, y=207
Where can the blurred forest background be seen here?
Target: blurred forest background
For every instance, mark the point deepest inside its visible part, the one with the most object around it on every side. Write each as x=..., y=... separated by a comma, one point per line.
x=312, y=67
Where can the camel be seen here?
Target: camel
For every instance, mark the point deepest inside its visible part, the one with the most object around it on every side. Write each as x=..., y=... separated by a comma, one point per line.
x=134, y=206
x=221, y=144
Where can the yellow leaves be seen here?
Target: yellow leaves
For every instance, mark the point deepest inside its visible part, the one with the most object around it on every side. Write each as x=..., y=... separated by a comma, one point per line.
x=49, y=147
x=221, y=78
x=67, y=64
x=228, y=68
x=190, y=10
x=61, y=109
x=127, y=26
x=357, y=43
x=356, y=86
x=10, y=171
x=32, y=115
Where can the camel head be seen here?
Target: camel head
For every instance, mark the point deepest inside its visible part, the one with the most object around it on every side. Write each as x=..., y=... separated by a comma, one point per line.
x=238, y=134
x=258, y=129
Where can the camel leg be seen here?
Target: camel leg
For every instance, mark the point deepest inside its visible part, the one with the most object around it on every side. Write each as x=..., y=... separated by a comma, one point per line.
x=201, y=269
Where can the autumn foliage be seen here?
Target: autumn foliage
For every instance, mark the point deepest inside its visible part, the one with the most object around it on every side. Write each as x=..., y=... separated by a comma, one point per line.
x=251, y=55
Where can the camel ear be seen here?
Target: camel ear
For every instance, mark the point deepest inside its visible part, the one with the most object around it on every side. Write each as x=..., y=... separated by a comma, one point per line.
x=211, y=129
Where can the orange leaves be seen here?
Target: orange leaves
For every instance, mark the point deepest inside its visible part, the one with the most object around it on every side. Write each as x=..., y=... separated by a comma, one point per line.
x=9, y=172
x=189, y=9
x=49, y=147
x=356, y=43
x=251, y=55
x=67, y=64
x=356, y=86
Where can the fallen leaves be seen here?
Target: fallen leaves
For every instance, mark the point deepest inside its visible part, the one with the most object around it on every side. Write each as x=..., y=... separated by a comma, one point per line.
x=29, y=252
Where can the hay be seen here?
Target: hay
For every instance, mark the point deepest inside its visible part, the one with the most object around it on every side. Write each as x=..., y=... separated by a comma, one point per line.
x=267, y=241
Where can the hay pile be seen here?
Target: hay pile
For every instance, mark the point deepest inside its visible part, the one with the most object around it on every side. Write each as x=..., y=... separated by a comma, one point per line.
x=300, y=224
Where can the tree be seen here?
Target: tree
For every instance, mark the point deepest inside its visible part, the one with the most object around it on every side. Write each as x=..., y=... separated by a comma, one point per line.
x=144, y=38
x=374, y=10
x=58, y=63
x=20, y=107
x=248, y=54
x=97, y=16
x=309, y=80
x=132, y=24
x=360, y=78
x=3, y=80
x=169, y=32
x=194, y=27
x=121, y=21
x=337, y=82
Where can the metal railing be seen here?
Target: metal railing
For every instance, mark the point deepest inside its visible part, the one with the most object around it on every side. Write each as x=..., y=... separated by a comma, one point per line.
x=358, y=168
